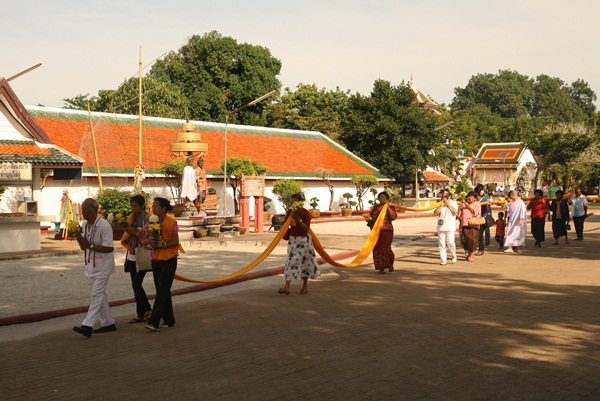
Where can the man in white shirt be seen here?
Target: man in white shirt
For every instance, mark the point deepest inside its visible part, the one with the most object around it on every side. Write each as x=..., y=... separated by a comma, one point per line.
x=96, y=240
x=580, y=206
x=446, y=225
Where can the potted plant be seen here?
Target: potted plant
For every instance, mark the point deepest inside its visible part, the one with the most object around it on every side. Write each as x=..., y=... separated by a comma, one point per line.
x=346, y=206
x=266, y=206
x=314, y=212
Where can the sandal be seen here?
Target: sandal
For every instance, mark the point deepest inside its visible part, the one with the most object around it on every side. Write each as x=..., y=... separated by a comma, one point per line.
x=380, y=272
x=391, y=269
x=479, y=253
x=136, y=320
x=303, y=291
x=283, y=291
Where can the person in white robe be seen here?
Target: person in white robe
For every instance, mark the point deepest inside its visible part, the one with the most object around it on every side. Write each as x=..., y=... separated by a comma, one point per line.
x=189, y=186
x=516, y=231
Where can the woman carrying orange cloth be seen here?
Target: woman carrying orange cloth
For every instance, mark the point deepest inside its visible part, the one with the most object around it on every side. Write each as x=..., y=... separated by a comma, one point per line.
x=383, y=256
x=301, y=262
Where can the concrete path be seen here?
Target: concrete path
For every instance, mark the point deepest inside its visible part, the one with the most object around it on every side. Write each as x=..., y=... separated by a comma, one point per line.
x=507, y=327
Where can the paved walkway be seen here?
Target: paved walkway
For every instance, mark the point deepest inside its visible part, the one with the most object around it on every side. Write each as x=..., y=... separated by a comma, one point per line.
x=507, y=327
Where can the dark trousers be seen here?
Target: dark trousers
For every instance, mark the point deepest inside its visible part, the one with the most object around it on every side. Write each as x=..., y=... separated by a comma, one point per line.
x=537, y=230
x=500, y=240
x=484, y=231
x=137, y=280
x=578, y=223
x=163, y=272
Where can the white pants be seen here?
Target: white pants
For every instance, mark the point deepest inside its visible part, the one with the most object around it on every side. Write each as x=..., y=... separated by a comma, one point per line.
x=99, y=304
x=446, y=240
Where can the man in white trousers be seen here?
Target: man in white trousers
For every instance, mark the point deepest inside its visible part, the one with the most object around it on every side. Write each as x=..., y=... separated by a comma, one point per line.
x=96, y=240
x=446, y=226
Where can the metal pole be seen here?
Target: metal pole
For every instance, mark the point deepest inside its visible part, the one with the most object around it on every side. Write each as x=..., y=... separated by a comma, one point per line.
x=224, y=167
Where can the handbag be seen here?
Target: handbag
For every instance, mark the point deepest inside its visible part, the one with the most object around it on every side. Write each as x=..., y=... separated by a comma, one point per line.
x=489, y=220
x=568, y=226
x=143, y=262
x=476, y=221
x=370, y=223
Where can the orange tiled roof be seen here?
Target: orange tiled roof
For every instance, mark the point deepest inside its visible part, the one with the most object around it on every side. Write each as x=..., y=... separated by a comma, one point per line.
x=499, y=153
x=283, y=152
x=22, y=148
x=27, y=151
x=434, y=176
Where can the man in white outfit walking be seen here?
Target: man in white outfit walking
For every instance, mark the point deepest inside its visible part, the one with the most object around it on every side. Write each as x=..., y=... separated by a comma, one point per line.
x=96, y=240
x=446, y=226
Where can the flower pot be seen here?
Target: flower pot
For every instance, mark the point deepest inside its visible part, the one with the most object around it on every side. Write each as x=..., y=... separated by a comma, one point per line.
x=314, y=213
x=346, y=212
x=266, y=216
x=277, y=221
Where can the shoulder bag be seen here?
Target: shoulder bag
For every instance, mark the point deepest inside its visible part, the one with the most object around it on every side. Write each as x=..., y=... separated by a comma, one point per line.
x=143, y=262
x=476, y=221
x=489, y=220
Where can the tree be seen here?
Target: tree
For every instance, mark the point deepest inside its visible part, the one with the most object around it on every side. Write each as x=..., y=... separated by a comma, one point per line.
x=390, y=132
x=309, y=108
x=560, y=146
x=205, y=79
x=236, y=169
x=173, y=172
x=508, y=93
x=218, y=75
x=326, y=175
x=362, y=182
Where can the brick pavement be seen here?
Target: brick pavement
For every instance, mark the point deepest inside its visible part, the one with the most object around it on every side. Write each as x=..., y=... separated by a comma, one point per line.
x=507, y=327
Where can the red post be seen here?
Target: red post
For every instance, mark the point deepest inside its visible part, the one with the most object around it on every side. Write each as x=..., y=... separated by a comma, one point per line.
x=259, y=222
x=245, y=211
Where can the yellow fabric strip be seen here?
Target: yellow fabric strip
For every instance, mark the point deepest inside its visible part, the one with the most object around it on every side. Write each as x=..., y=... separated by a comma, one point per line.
x=252, y=264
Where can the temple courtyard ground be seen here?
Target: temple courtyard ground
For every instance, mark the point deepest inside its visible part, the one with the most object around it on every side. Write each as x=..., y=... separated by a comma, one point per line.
x=507, y=327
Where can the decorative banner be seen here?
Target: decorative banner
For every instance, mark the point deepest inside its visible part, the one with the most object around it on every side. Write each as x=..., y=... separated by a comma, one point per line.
x=15, y=172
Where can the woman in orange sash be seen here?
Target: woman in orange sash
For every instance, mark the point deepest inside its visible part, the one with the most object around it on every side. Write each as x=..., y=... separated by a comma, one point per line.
x=383, y=256
x=165, y=250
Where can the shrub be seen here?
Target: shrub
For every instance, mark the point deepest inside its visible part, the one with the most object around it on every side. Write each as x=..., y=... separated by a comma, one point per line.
x=314, y=202
x=284, y=189
x=114, y=201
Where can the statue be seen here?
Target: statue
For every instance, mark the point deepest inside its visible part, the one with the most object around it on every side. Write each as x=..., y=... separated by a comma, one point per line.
x=189, y=186
x=201, y=179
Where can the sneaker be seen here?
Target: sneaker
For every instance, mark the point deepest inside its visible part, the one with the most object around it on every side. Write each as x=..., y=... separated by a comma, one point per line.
x=509, y=250
x=454, y=259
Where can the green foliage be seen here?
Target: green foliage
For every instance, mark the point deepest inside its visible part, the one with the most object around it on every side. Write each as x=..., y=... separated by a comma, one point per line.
x=513, y=95
x=389, y=131
x=208, y=77
x=348, y=203
x=3, y=189
x=309, y=108
x=363, y=182
x=236, y=169
x=173, y=172
x=284, y=188
x=217, y=75
x=314, y=202
x=115, y=201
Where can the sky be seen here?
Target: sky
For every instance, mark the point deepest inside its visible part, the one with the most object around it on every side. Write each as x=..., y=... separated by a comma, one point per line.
x=88, y=45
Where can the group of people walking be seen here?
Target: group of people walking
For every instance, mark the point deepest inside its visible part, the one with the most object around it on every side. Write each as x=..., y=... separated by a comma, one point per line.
x=96, y=240
x=474, y=215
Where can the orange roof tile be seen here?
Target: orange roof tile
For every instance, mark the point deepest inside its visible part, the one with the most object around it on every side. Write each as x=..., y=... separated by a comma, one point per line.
x=283, y=152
